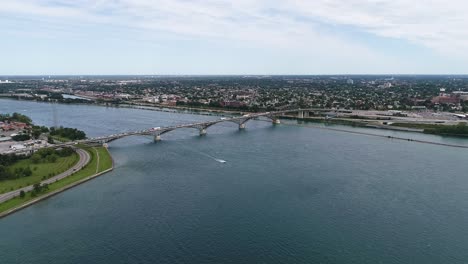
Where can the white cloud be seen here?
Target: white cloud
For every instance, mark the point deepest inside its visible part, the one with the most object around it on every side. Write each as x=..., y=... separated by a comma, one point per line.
x=281, y=25
x=434, y=23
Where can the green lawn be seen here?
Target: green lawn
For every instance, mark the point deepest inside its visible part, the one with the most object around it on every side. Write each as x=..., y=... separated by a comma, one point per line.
x=60, y=139
x=415, y=125
x=105, y=162
x=40, y=171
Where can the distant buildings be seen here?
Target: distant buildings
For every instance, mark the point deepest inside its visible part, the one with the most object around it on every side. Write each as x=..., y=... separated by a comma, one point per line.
x=257, y=93
x=232, y=104
x=446, y=99
x=13, y=126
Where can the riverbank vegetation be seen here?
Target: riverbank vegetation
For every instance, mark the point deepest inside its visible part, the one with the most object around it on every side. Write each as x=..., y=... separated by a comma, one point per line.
x=67, y=133
x=461, y=129
x=22, y=171
x=15, y=117
x=24, y=130
x=455, y=130
x=101, y=161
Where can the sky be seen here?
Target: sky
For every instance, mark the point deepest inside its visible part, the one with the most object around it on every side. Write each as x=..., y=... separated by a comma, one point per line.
x=265, y=37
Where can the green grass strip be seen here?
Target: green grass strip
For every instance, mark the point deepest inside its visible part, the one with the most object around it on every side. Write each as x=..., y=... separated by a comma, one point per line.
x=105, y=163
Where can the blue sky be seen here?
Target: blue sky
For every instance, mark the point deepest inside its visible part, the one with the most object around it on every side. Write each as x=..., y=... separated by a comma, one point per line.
x=233, y=37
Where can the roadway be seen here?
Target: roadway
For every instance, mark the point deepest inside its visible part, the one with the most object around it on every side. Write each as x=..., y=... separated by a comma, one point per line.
x=84, y=159
x=161, y=130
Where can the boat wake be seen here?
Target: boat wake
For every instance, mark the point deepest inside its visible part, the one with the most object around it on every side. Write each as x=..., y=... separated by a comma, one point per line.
x=202, y=153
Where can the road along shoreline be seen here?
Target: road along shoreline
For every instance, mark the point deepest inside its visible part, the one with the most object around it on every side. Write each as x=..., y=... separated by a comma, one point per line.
x=84, y=159
x=53, y=193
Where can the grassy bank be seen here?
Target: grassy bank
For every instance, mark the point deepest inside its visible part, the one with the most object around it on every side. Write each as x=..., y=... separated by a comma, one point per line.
x=60, y=139
x=460, y=130
x=100, y=161
x=415, y=125
x=335, y=121
x=40, y=171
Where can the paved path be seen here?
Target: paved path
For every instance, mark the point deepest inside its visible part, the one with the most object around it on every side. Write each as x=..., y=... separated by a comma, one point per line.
x=84, y=159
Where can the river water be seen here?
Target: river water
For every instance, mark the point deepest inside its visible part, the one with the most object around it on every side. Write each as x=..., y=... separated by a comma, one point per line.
x=287, y=194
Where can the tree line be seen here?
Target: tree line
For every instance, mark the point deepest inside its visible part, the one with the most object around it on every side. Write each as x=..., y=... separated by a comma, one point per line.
x=15, y=117
x=41, y=156
x=69, y=133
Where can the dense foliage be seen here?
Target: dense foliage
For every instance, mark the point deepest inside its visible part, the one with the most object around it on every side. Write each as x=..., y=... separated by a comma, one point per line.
x=17, y=117
x=21, y=137
x=457, y=130
x=68, y=133
x=50, y=155
x=8, y=160
x=36, y=131
x=40, y=156
x=39, y=188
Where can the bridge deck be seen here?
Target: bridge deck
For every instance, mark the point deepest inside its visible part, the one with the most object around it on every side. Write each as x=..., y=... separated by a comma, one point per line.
x=161, y=130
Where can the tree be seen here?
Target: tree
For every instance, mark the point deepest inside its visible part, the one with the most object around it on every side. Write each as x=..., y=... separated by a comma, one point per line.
x=36, y=134
x=69, y=133
x=21, y=137
x=4, y=173
x=35, y=158
x=22, y=194
x=21, y=118
x=51, y=158
x=36, y=188
x=65, y=152
x=27, y=172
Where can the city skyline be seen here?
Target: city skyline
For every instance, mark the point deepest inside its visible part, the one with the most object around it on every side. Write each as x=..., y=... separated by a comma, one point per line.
x=245, y=37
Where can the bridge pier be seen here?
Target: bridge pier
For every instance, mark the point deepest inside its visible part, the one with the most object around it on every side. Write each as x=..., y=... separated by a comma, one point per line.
x=300, y=114
x=202, y=131
x=242, y=126
x=157, y=138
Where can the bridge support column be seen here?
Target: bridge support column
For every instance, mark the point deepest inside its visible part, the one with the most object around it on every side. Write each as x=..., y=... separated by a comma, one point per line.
x=300, y=114
x=306, y=114
x=202, y=131
x=242, y=126
x=157, y=138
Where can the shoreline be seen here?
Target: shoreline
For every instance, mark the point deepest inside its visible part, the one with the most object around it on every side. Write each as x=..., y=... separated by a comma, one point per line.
x=60, y=190
x=387, y=137
x=223, y=113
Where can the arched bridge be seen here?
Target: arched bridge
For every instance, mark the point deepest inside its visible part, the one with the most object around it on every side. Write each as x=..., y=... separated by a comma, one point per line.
x=202, y=127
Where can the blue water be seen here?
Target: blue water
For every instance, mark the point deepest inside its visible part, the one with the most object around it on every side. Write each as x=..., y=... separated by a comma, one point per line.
x=286, y=194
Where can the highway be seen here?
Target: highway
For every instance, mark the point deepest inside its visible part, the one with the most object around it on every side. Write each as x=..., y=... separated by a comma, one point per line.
x=84, y=159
